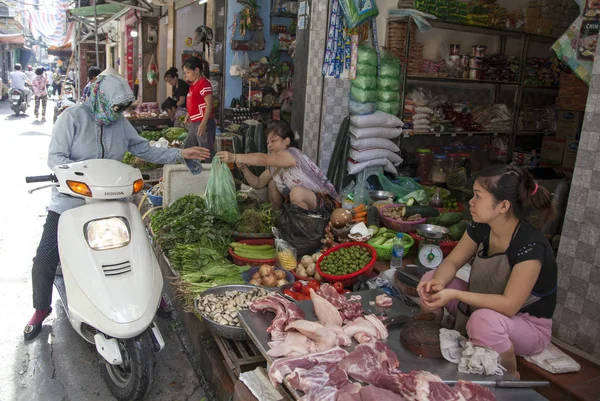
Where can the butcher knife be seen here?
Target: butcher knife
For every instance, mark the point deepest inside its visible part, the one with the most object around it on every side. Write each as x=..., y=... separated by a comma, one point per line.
x=505, y=383
x=401, y=319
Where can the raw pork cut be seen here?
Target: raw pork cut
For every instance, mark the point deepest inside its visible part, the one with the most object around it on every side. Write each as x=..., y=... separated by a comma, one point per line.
x=284, y=366
x=326, y=313
x=372, y=393
x=294, y=343
x=383, y=301
x=473, y=391
x=271, y=304
x=361, y=329
x=342, y=339
x=382, y=332
x=349, y=310
x=350, y=392
x=323, y=337
x=294, y=312
x=418, y=385
x=317, y=377
x=369, y=361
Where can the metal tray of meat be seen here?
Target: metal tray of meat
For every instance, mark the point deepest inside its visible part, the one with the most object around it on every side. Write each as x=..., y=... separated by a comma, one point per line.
x=256, y=326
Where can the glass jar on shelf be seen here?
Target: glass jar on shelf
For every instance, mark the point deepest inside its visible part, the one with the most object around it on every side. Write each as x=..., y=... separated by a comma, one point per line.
x=424, y=164
x=439, y=172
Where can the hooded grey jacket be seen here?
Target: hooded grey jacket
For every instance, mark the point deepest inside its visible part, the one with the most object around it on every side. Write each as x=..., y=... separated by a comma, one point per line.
x=77, y=137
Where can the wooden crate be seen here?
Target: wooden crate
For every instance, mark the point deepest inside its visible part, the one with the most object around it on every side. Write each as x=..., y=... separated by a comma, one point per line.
x=239, y=356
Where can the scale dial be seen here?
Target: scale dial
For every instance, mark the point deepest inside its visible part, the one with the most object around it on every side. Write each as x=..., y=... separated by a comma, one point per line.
x=431, y=256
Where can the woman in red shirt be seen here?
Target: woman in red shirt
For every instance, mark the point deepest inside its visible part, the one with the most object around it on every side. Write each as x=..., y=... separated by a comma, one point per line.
x=199, y=103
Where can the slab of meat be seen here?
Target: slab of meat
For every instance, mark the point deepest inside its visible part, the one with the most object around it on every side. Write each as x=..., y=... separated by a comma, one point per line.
x=349, y=310
x=369, y=361
x=382, y=332
x=372, y=393
x=271, y=304
x=326, y=313
x=361, y=329
x=294, y=342
x=342, y=339
x=418, y=385
x=317, y=377
x=383, y=301
x=350, y=392
x=323, y=337
x=294, y=312
x=284, y=366
x=474, y=392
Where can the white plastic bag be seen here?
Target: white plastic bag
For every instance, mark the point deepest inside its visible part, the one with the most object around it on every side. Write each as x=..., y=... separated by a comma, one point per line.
x=234, y=70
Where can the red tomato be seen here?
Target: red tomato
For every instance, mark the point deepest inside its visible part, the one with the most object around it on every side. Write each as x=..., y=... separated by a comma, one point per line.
x=314, y=284
x=339, y=287
x=288, y=292
x=297, y=286
x=306, y=290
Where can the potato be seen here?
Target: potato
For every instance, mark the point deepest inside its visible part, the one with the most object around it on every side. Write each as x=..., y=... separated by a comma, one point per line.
x=311, y=269
x=302, y=272
x=306, y=260
x=316, y=256
x=317, y=276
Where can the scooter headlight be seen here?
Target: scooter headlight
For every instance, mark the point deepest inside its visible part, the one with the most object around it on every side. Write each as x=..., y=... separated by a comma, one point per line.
x=109, y=233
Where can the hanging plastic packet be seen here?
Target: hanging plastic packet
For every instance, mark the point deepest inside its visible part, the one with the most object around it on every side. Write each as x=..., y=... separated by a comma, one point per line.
x=284, y=252
x=357, y=12
x=419, y=17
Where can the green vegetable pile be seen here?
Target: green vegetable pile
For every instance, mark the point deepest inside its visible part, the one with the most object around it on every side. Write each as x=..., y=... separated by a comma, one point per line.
x=257, y=218
x=151, y=135
x=201, y=268
x=255, y=252
x=187, y=221
x=173, y=133
x=345, y=261
x=138, y=163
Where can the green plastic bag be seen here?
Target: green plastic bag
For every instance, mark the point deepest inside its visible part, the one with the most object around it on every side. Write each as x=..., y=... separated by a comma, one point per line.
x=220, y=193
x=389, y=107
x=390, y=66
x=362, y=95
x=367, y=55
x=365, y=81
x=388, y=96
x=366, y=69
x=388, y=84
x=405, y=185
x=356, y=12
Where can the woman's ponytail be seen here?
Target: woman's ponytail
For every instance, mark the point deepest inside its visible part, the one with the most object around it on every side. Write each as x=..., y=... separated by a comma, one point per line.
x=535, y=196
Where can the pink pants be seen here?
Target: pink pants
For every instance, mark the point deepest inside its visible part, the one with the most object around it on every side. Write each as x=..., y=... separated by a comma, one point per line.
x=488, y=328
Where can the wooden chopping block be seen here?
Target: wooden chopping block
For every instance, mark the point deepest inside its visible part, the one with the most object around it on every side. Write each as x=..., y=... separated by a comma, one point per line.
x=422, y=338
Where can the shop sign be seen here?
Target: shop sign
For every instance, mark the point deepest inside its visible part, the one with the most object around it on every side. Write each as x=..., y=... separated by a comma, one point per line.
x=588, y=40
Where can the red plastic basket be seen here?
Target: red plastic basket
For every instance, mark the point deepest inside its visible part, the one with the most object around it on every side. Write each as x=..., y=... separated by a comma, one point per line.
x=397, y=225
x=447, y=246
x=348, y=279
x=460, y=208
x=239, y=261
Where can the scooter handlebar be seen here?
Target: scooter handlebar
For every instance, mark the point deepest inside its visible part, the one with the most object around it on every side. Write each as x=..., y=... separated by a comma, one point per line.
x=40, y=178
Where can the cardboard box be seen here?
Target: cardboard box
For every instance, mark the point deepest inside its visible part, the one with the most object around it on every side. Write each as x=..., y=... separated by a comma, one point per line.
x=553, y=150
x=569, y=124
x=570, y=154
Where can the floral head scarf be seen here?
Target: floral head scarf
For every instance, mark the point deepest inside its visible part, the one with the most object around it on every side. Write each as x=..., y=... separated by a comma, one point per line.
x=106, y=93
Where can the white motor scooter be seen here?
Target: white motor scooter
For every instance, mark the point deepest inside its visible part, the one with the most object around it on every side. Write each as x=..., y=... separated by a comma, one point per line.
x=111, y=283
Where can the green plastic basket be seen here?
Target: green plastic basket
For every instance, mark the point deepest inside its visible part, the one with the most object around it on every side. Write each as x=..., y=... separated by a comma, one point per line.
x=385, y=252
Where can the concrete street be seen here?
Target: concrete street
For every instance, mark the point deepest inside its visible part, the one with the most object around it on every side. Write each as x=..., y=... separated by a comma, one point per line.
x=58, y=364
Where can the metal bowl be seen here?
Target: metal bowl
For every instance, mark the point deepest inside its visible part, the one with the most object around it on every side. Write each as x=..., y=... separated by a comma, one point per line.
x=231, y=332
x=382, y=195
x=432, y=231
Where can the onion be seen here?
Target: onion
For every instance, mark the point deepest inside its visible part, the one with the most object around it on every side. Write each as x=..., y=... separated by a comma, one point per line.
x=281, y=283
x=256, y=276
x=257, y=282
x=269, y=281
x=280, y=274
x=266, y=270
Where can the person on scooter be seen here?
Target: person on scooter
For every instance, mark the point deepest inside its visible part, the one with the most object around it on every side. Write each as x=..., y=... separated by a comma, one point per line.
x=30, y=73
x=93, y=129
x=18, y=79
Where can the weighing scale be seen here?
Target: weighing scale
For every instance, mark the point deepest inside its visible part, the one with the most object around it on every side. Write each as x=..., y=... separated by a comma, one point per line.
x=430, y=252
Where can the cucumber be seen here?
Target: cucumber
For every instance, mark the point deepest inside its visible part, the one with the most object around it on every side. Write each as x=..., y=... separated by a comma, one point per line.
x=457, y=231
x=182, y=137
x=389, y=242
x=374, y=228
x=239, y=245
x=424, y=211
x=259, y=139
x=238, y=147
x=412, y=202
x=449, y=219
x=434, y=220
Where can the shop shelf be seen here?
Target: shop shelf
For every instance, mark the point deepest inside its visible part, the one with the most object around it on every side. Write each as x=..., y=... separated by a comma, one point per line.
x=283, y=15
x=541, y=87
x=459, y=80
x=469, y=133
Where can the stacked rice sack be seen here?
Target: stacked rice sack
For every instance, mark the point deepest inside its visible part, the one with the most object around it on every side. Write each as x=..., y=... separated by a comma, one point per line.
x=371, y=142
x=388, y=85
x=363, y=93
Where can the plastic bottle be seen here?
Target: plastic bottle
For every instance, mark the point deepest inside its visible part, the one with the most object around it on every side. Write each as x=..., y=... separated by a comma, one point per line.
x=397, y=252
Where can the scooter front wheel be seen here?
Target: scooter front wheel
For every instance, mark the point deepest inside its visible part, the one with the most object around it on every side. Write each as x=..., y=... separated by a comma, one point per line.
x=131, y=380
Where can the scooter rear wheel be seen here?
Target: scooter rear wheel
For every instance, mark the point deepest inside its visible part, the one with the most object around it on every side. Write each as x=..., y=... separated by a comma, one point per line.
x=131, y=380
x=17, y=112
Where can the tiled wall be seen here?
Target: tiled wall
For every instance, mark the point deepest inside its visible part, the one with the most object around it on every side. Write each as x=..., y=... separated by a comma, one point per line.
x=577, y=316
x=326, y=101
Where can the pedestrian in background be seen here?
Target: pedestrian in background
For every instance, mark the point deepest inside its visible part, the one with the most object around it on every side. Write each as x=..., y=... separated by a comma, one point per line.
x=56, y=78
x=40, y=92
x=93, y=73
